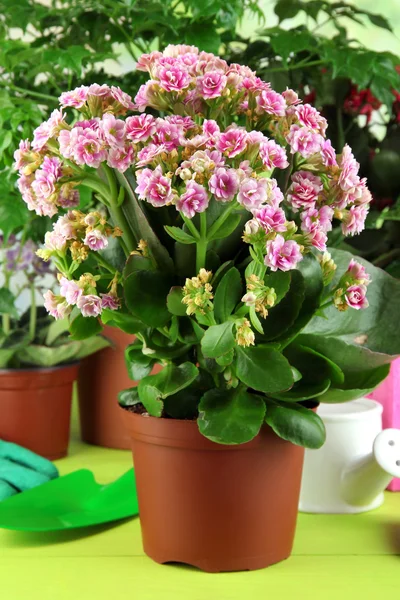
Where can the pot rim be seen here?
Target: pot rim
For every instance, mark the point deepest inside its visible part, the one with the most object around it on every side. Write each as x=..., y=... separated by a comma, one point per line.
x=40, y=369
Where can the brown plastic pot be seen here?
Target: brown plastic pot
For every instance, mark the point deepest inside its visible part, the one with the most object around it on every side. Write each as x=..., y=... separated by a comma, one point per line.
x=219, y=508
x=35, y=408
x=101, y=377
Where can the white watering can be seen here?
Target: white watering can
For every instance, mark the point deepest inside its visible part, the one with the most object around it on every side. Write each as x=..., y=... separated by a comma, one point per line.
x=356, y=463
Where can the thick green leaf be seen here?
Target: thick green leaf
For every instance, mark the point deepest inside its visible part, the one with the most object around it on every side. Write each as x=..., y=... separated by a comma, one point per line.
x=83, y=327
x=171, y=380
x=227, y=295
x=336, y=395
x=138, y=364
x=304, y=391
x=150, y=397
x=283, y=315
x=312, y=365
x=92, y=345
x=13, y=214
x=296, y=424
x=136, y=262
x=230, y=416
x=56, y=329
x=218, y=340
x=280, y=281
x=226, y=228
x=263, y=369
x=174, y=302
x=44, y=356
x=7, y=303
x=122, y=320
x=129, y=397
x=146, y=297
x=179, y=235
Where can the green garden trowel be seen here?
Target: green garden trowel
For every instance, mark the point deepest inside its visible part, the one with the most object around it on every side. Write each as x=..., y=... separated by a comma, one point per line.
x=70, y=501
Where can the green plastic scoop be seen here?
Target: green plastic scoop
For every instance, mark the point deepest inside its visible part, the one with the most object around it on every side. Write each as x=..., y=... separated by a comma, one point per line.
x=73, y=500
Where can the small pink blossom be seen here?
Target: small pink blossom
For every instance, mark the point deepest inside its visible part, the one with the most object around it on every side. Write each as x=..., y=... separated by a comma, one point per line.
x=44, y=184
x=274, y=193
x=41, y=136
x=154, y=187
x=224, y=184
x=273, y=155
x=176, y=50
x=100, y=91
x=140, y=127
x=232, y=142
x=68, y=197
x=173, y=79
x=291, y=97
x=354, y=220
x=76, y=98
x=109, y=301
x=348, y=178
x=252, y=193
x=304, y=141
x=21, y=155
x=355, y=297
x=194, y=200
x=272, y=103
x=51, y=165
x=271, y=218
x=211, y=130
x=122, y=98
x=148, y=154
x=146, y=62
x=167, y=134
x=96, y=240
x=358, y=272
x=304, y=190
x=90, y=305
x=308, y=116
x=89, y=149
x=185, y=123
x=282, y=255
x=70, y=290
x=211, y=84
x=317, y=237
x=65, y=227
x=57, y=309
x=328, y=154
x=113, y=129
x=121, y=158
x=323, y=217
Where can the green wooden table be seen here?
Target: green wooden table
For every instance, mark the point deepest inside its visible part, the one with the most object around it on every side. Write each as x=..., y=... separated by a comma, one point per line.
x=335, y=557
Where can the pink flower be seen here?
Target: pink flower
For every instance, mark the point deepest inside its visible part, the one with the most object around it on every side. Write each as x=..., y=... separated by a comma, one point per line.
x=147, y=61
x=328, y=154
x=311, y=216
x=271, y=218
x=113, y=129
x=176, y=50
x=185, y=123
x=44, y=184
x=244, y=170
x=304, y=140
x=355, y=297
x=51, y=165
x=54, y=307
x=275, y=195
x=148, y=154
x=154, y=187
x=212, y=84
x=96, y=240
x=21, y=156
x=232, y=142
x=348, y=178
x=317, y=237
x=140, y=127
x=40, y=136
x=66, y=227
x=66, y=141
x=100, y=91
x=291, y=97
x=272, y=103
x=354, y=220
x=121, y=158
x=308, y=116
x=252, y=193
x=55, y=241
x=109, y=301
x=358, y=272
x=168, y=134
x=89, y=149
x=68, y=197
x=70, y=290
x=122, y=98
x=194, y=200
x=282, y=255
x=303, y=193
x=211, y=130
x=90, y=305
x=273, y=155
x=223, y=184
x=173, y=79
x=76, y=98
x=141, y=99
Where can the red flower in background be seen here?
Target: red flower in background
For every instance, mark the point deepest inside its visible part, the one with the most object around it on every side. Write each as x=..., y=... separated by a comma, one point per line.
x=361, y=102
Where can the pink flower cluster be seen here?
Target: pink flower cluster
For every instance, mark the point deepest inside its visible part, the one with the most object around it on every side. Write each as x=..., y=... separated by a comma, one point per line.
x=79, y=294
x=351, y=290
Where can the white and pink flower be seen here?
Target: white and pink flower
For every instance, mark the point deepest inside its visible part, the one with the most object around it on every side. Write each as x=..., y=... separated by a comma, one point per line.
x=282, y=255
x=194, y=200
x=224, y=184
x=304, y=190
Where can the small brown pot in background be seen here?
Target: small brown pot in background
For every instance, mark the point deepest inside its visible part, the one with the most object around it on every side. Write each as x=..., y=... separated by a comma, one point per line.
x=219, y=508
x=101, y=377
x=35, y=408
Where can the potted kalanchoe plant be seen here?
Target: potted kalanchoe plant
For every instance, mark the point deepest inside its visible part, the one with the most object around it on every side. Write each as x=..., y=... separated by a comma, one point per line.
x=222, y=209
x=38, y=360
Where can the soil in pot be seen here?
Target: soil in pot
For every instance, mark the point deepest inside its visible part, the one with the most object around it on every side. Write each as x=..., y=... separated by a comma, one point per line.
x=219, y=508
x=35, y=408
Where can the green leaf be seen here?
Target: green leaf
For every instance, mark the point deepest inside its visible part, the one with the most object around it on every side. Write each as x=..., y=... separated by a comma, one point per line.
x=43, y=356
x=129, y=397
x=172, y=379
x=285, y=42
x=83, y=327
x=230, y=416
x=379, y=21
x=313, y=365
x=55, y=330
x=122, y=320
x=287, y=9
x=138, y=364
x=91, y=345
x=280, y=281
x=226, y=228
x=263, y=369
x=255, y=321
x=227, y=295
x=218, y=340
x=146, y=297
x=336, y=395
x=296, y=424
x=179, y=235
x=304, y=391
x=174, y=302
x=7, y=303
x=13, y=214
x=282, y=316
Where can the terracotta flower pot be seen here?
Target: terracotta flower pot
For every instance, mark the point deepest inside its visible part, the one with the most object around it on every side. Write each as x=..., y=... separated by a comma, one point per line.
x=35, y=408
x=219, y=508
x=101, y=377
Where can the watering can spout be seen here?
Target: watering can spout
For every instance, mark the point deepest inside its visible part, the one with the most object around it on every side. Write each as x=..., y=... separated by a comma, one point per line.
x=366, y=477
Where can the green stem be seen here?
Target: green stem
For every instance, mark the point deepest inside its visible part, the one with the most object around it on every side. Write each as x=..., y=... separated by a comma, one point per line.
x=32, y=93
x=104, y=263
x=33, y=314
x=326, y=304
x=190, y=225
x=221, y=220
x=6, y=324
x=116, y=211
x=201, y=251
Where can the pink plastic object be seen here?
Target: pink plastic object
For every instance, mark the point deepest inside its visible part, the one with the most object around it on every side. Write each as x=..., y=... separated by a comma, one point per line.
x=388, y=394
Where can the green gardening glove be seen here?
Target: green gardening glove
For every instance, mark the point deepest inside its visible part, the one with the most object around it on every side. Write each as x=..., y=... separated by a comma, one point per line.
x=21, y=469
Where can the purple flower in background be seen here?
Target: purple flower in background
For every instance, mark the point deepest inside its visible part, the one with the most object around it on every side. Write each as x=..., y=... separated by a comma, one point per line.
x=20, y=257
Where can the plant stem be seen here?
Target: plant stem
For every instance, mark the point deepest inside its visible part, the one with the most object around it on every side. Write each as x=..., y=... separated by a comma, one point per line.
x=190, y=225
x=221, y=220
x=326, y=304
x=104, y=263
x=201, y=252
x=32, y=93
x=33, y=314
x=6, y=324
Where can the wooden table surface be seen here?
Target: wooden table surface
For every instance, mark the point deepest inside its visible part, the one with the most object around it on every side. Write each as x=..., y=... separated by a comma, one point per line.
x=338, y=557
